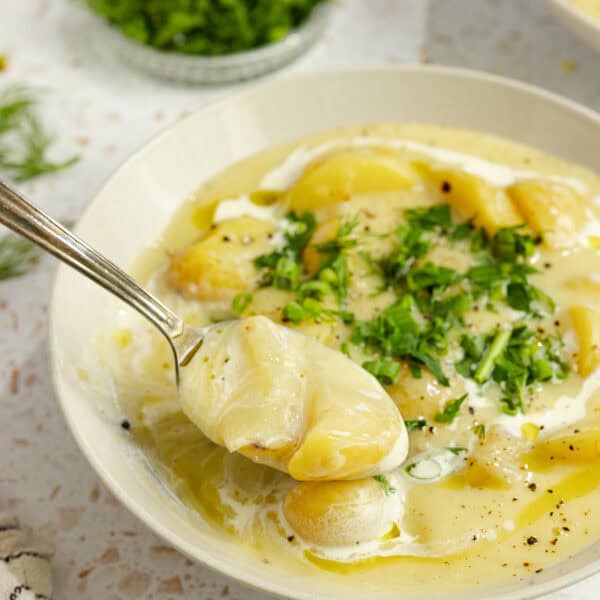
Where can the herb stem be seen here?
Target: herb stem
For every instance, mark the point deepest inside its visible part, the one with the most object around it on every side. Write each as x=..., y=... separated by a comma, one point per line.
x=497, y=347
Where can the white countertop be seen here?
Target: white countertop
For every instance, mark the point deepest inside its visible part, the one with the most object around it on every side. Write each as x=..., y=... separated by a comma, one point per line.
x=104, y=111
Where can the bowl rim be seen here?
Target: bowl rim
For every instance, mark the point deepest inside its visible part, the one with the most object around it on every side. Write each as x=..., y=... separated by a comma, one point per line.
x=569, y=10
x=199, y=554
x=316, y=20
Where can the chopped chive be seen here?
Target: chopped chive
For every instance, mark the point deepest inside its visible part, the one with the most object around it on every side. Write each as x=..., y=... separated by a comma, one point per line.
x=241, y=302
x=384, y=369
x=497, y=347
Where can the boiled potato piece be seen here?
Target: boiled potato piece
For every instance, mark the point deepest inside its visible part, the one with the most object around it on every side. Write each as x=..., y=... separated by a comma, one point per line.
x=339, y=176
x=494, y=463
x=551, y=208
x=584, y=285
x=472, y=197
x=423, y=396
x=578, y=444
x=338, y=513
x=586, y=322
x=284, y=400
x=325, y=231
x=221, y=264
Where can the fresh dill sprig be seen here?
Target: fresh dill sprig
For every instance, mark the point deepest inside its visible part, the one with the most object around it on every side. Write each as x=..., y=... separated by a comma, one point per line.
x=17, y=256
x=24, y=142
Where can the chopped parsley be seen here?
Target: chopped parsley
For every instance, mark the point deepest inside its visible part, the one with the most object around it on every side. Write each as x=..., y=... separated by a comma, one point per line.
x=204, y=27
x=385, y=484
x=241, y=302
x=425, y=324
x=282, y=268
x=414, y=424
x=478, y=430
x=456, y=449
x=451, y=410
x=384, y=369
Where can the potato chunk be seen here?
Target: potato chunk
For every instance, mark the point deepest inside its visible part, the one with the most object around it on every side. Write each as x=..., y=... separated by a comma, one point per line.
x=586, y=322
x=221, y=264
x=337, y=513
x=551, y=208
x=578, y=444
x=339, y=176
x=494, y=463
x=325, y=231
x=472, y=197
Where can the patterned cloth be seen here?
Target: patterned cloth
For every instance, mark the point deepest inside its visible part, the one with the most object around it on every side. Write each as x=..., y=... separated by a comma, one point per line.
x=24, y=572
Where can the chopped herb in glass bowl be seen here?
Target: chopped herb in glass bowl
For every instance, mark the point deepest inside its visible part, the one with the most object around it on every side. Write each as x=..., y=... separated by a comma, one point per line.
x=211, y=41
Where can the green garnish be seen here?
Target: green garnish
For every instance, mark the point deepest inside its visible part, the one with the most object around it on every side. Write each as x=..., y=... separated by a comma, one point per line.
x=414, y=424
x=24, y=143
x=282, y=268
x=479, y=430
x=17, y=256
x=384, y=369
x=486, y=366
x=387, y=487
x=396, y=333
x=451, y=409
x=241, y=302
x=202, y=26
x=456, y=449
x=427, y=318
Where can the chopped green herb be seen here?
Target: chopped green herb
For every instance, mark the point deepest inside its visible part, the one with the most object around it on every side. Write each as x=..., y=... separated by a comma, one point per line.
x=430, y=218
x=395, y=333
x=293, y=312
x=479, y=430
x=414, y=424
x=511, y=405
x=486, y=366
x=205, y=27
x=451, y=410
x=282, y=268
x=456, y=449
x=241, y=302
x=24, y=143
x=385, y=484
x=17, y=256
x=384, y=369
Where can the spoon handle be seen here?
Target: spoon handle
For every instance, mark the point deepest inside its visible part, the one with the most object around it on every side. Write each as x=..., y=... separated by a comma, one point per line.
x=27, y=220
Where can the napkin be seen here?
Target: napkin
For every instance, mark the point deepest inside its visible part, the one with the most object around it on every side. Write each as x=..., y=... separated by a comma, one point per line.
x=24, y=572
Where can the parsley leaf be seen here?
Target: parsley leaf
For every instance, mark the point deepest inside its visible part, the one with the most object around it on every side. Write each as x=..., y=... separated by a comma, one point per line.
x=387, y=487
x=414, y=424
x=451, y=410
x=241, y=302
x=384, y=369
x=479, y=430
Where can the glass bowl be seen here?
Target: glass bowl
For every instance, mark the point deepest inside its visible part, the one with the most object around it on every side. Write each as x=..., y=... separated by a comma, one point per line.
x=194, y=69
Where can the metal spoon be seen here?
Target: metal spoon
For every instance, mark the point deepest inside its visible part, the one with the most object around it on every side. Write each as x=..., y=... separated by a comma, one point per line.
x=25, y=219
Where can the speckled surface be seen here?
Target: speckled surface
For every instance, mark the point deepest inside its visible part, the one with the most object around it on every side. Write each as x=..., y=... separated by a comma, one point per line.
x=104, y=111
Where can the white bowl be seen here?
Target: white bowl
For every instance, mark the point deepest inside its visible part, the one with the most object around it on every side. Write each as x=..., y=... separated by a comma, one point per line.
x=584, y=26
x=131, y=210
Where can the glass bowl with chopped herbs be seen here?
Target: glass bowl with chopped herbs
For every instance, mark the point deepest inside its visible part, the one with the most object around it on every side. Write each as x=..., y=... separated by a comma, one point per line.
x=211, y=41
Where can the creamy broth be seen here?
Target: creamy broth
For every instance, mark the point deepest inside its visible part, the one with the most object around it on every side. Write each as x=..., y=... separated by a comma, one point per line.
x=516, y=497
